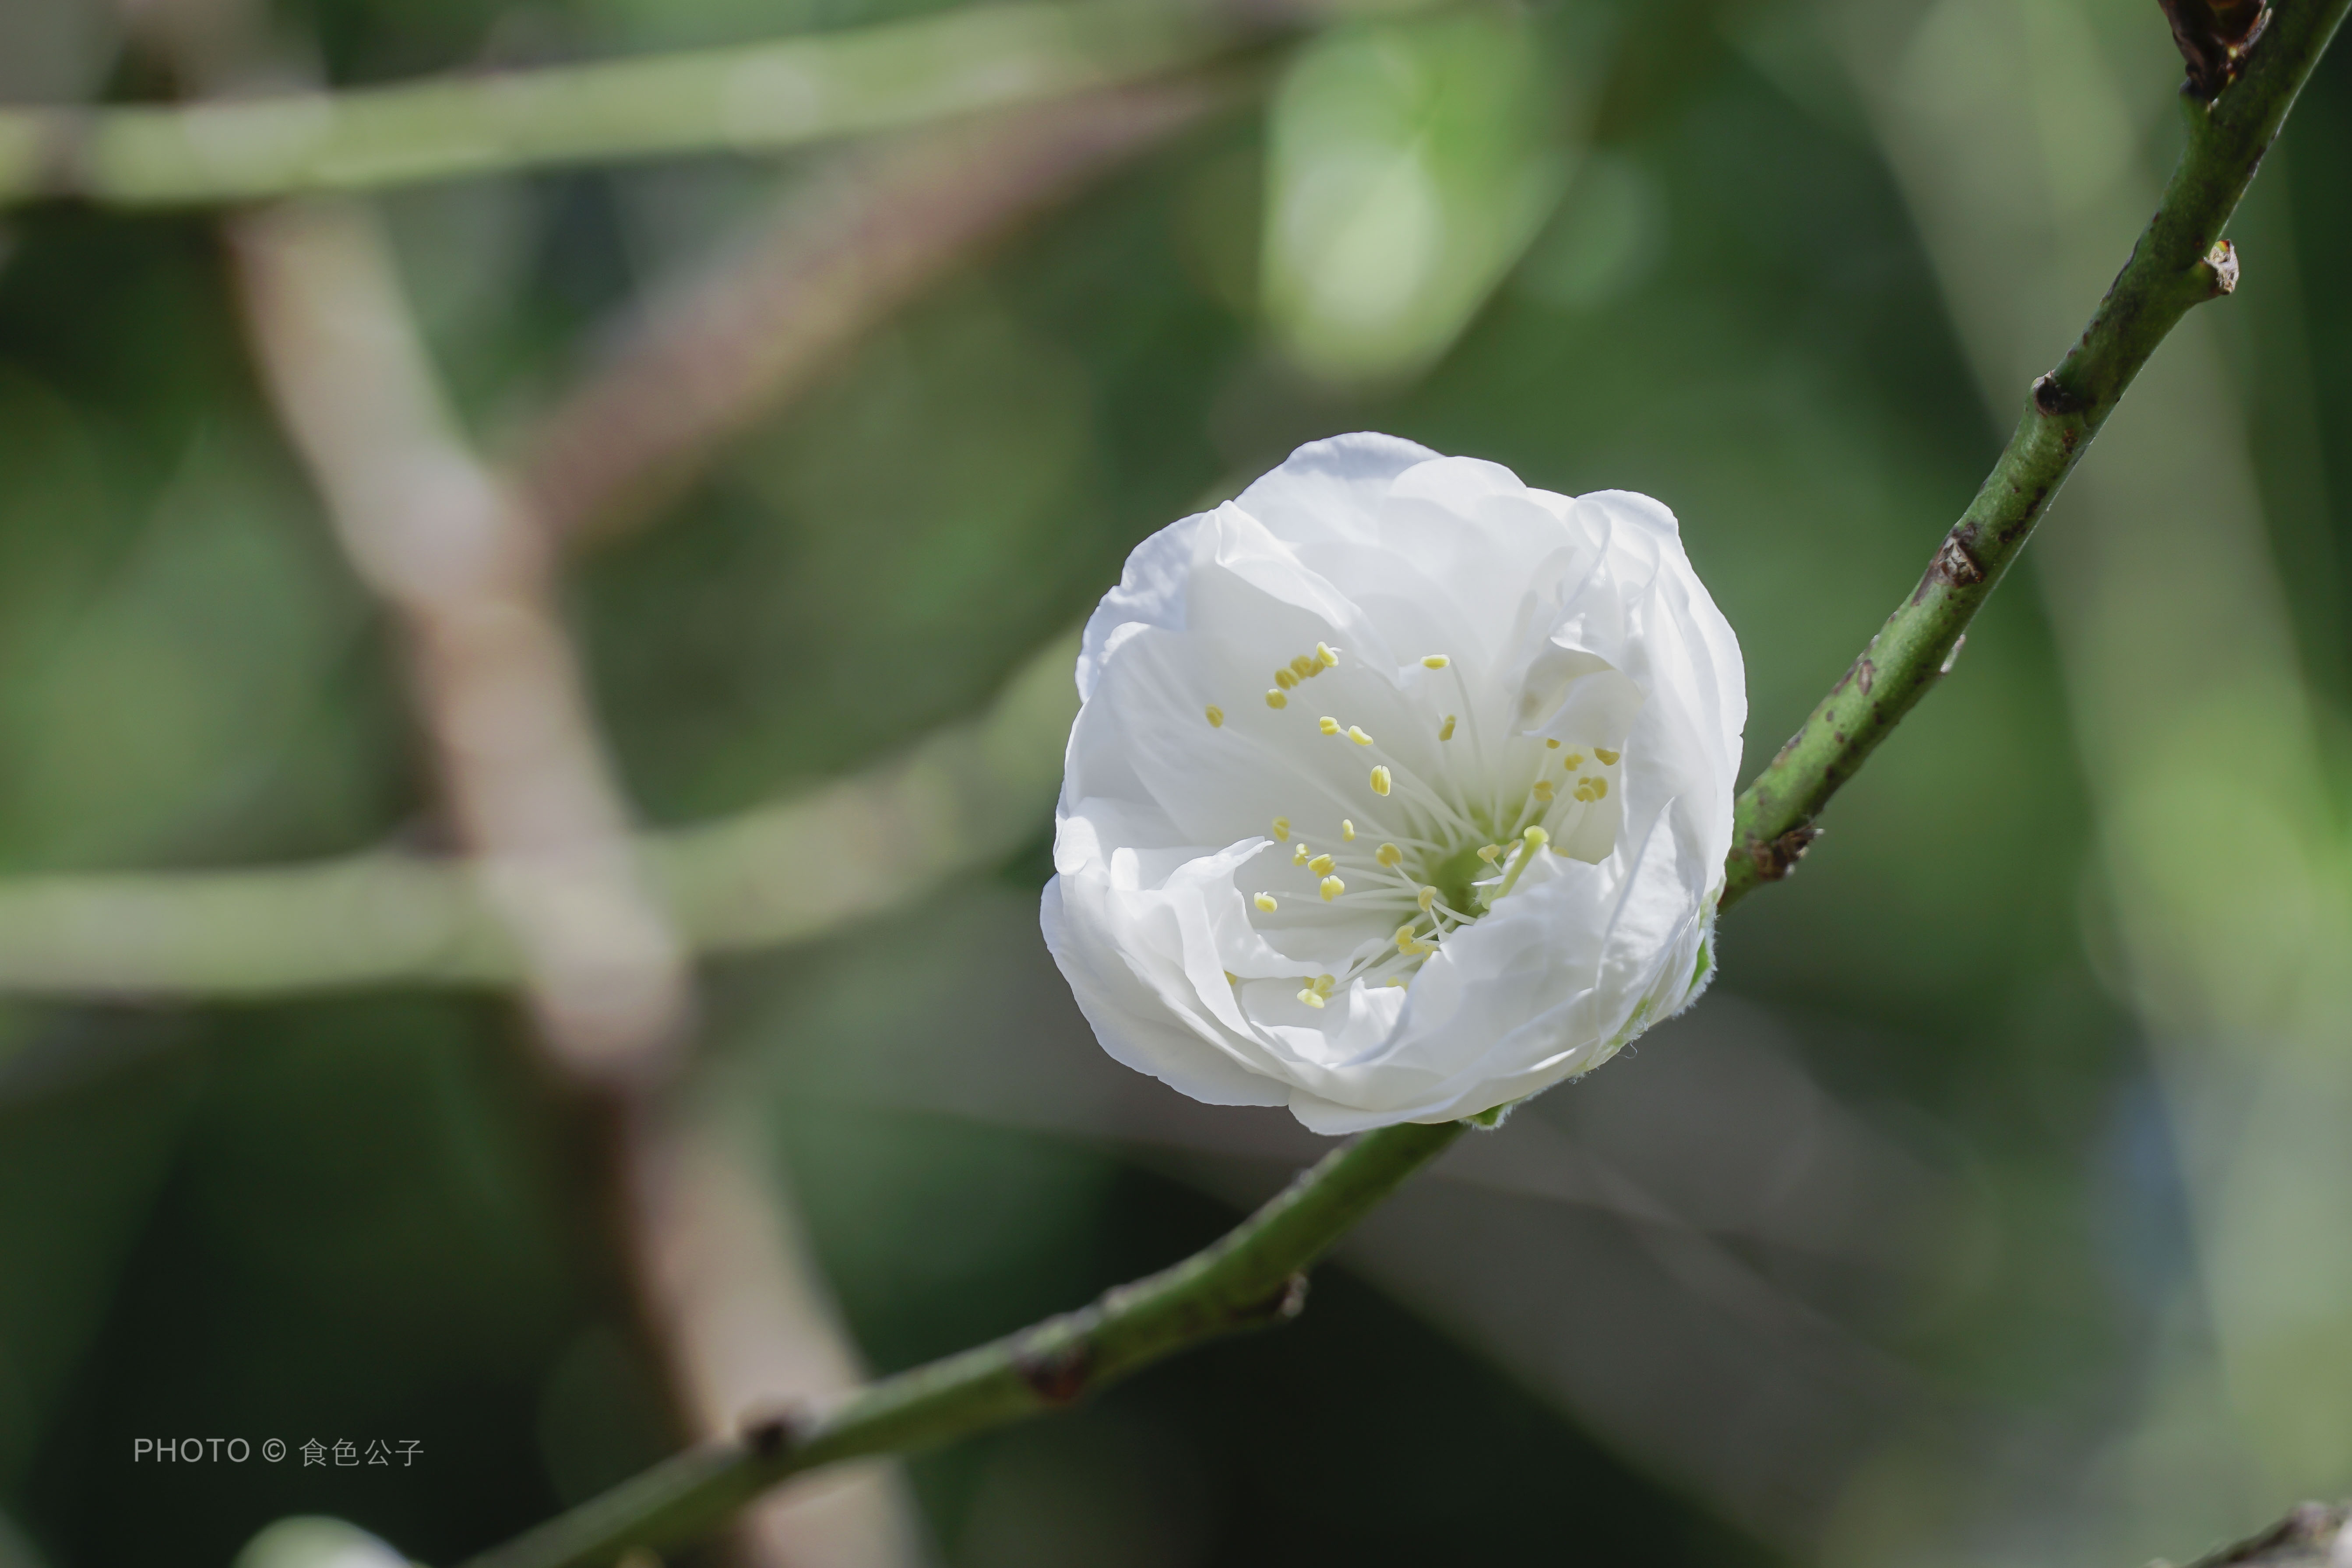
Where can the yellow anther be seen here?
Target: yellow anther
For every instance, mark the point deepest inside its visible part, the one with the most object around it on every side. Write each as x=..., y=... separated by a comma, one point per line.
x=1298, y=855
x=1356, y=733
x=1327, y=724
x=1312, y=997
x=1397, y=981
x=1379, y=781
x=1608, y=759
x=1428, y=898
x=1216, y=717
x=1324, y=982
x=1552, y=744
x=1535, y=837
x=1600, y=787
x=1388, y=854
x=1322, y=865
x=1302, y=667
x=1323, y=653
x=1282, y=829
x=1404, y=934
x=1543, y=790
x=1346, y=831
x=1405, y=943
x=1265, y=903
x=1331, y=888
x=1434, y=661
x=1487, y=852
x=1275, y=699
x=1573, y=761
x=1284, y=678
x=1445, y=730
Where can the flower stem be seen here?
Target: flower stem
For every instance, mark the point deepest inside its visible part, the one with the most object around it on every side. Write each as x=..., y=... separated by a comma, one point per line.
x=1251, y=1278
x=2180, y=262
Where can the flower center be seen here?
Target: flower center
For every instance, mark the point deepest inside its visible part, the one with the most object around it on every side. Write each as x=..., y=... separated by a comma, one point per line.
x=1419, y=853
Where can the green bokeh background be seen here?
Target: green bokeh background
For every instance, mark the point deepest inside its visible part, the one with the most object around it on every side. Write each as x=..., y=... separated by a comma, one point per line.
x=363, y=1217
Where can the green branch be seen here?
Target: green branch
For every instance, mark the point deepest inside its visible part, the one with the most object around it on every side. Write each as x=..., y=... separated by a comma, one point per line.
x=964, y=797
x=1252, y=1278
x=753, y=97
x=2180, y=262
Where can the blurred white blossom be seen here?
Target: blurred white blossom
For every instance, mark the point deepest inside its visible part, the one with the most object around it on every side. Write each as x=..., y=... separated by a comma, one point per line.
x=1399, y=792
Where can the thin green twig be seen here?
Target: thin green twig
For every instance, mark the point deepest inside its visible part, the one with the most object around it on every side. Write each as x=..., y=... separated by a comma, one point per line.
x=2180, y=262
x=752, y=98
x=1252, y=1278
x=962, y=797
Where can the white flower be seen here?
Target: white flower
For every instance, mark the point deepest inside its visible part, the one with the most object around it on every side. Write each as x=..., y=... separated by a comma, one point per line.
x=1399, y=792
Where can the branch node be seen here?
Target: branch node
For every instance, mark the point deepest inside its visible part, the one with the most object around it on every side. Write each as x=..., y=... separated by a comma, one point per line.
x=2213, y=37
x=2220, y=269
x=1057, y=1373
x=769, y=1431
x=1956, y=564
x=2055, y=400
x=1281, y=1307
x=1774, y=858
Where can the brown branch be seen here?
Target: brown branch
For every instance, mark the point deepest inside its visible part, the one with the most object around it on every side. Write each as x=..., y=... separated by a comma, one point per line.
x=743, y=1311
x=499, y=692
x=840, y=256
x=497, y=687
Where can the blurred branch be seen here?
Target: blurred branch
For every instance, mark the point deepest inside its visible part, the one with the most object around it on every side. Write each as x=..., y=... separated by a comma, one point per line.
x=499, y=688
x=755, y=330
x=752, y=98
x=1250, y=1278
x=965, y=796
x=841, y=257
x=2315, y=1535
x=739, y=1308
x=2180, y=261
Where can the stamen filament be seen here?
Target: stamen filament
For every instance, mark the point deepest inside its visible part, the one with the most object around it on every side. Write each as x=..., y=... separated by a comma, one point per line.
x=1534, y=839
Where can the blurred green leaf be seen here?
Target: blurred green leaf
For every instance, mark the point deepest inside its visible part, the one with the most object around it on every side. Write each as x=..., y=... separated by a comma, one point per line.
x=1409, y=165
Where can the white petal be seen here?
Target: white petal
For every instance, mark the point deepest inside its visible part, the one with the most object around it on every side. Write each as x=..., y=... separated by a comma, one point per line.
x=1133, y=1028
x=1331, y=489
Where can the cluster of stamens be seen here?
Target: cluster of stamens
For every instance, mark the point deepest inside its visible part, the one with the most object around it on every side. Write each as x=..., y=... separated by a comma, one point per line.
x=1451, y=887
x=1303, y=667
